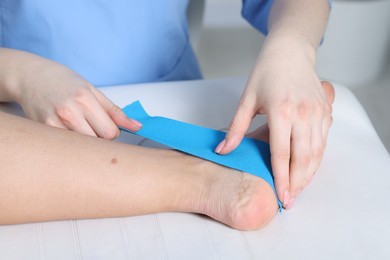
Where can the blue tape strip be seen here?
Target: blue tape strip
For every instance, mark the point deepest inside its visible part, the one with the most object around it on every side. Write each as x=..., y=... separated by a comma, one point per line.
x=251, y=156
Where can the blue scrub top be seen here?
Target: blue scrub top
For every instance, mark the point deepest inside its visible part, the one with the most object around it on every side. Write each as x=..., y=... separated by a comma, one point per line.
x=107, y=42
x=112, y=42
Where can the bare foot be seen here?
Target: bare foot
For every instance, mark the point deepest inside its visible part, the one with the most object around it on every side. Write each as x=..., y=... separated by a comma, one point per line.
x=238, y=199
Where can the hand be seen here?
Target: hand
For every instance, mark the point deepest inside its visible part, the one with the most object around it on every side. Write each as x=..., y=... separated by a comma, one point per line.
x=55, y=95
x=287, y=89
x=262, y=132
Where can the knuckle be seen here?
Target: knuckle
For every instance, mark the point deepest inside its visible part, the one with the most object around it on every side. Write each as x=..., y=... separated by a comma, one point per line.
x=115, y=110
x=83, y=97
x=318, y=151
x=282, y=180
x=303, y=159
x=330, y=121
x=66, y=114
x=295, y=190
x=50, y=122
x=283, y=109
x=328, y=109
x=303, y=109
x=282, y=154
x=110, y=133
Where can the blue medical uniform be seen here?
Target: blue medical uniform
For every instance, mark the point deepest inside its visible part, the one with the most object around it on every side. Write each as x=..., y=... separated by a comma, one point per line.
x=107, y=42
x=111, y=42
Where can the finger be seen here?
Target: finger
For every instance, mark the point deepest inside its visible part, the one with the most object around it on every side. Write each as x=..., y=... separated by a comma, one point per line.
x=74, y=120
x=100, y=121
x=319, y=133
x=280, y=136
x=237, y=129
x=326, y=124
x=83, y=127
x=329, y=91
x=317, y=151
x=300, y=157
x=328, y=119
x=80, y=125
x=54, y=121
x=117, y=115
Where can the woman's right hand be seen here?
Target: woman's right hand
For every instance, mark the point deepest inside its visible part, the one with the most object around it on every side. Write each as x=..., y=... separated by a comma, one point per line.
x=55, y=95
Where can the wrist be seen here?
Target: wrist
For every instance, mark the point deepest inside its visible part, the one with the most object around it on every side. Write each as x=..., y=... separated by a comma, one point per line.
x=17, y=69
x=8, y=75
x=292, y=42
x=289, y=45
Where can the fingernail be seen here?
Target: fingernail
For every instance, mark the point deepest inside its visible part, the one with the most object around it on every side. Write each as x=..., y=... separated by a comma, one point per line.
x=286, y=198
x=291, y=203
x=220, y=146
x=135, y=122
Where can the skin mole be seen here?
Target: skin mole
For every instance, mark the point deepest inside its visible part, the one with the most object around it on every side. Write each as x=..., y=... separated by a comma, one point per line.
x=114, y=161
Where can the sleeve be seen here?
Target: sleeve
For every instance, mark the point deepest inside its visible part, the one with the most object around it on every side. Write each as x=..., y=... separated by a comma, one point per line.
x=256, y=12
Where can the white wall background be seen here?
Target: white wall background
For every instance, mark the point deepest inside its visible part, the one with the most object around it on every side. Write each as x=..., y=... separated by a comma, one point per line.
x=223, y=13
x=228, y=45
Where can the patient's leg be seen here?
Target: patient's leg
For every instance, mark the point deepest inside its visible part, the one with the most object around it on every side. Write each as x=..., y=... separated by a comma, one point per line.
x=53, y=174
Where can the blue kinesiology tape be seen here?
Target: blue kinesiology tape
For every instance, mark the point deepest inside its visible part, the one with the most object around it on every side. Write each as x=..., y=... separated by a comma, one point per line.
x=251, y=156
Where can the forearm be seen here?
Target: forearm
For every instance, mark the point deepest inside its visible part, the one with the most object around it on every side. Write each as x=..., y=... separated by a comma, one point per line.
x=49, y=174
x=297, y=24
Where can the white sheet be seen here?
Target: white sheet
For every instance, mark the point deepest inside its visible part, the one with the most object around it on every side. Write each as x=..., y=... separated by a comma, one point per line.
x=343, y=214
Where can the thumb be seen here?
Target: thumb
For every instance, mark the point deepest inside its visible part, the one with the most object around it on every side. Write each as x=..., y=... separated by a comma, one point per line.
x=237, y=129
x=115, y=113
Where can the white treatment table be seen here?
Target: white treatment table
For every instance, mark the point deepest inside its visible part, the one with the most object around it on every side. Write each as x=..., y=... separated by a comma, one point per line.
x=343, y=214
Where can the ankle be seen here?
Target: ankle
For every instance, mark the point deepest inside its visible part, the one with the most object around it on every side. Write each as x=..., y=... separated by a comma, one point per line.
x=195, y=177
